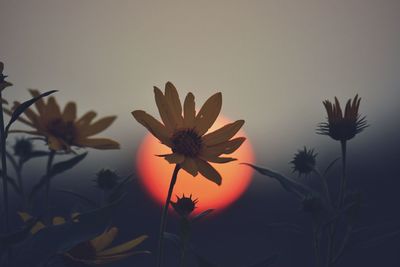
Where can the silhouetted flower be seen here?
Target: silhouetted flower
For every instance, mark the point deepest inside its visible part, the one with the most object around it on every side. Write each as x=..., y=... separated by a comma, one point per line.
x=339, y=127
x=106, y=179
x=95, y=251
x=3, y=83
x=304, y=161
x=23, y=148
x=186, y=135
x=62, y=129
x=184, y=206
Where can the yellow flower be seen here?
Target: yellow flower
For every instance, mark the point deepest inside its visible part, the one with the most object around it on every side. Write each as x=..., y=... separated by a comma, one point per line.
x=63, y=129
x=95, y=251
x=185, y=132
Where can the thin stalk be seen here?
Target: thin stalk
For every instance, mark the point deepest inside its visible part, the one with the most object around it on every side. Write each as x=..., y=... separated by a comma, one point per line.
x=343, y=182
x=48, y=184
x=324, y=185
x=160, y=255
x=4, y=166
x=316, y=245
x=185, y=235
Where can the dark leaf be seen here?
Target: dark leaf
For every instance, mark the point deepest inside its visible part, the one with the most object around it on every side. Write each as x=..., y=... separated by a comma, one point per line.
x=17, y=237
x=21, y=108
x=81, y=197
x=202, y=215
x=63, y=166
x=331, y=165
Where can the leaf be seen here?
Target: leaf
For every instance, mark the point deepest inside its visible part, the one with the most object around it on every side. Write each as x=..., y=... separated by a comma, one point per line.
x=269, y=261
x=12, y=239
x=300, y=190
x=331, y=165
x=202, y=215
x=58, y=239
x=81, y=197
x=61, y=167
x=21, y=108
x=57, y=169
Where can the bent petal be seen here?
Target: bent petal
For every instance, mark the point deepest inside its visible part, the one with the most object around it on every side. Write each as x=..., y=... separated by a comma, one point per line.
x=208, y=171
x=227, y=147
x=153, y=125
x=208, y=113
x=190, y=166
x=98, y=126
x=98, y=143
x=174, y=158
x=223, y=134
x=216, y=159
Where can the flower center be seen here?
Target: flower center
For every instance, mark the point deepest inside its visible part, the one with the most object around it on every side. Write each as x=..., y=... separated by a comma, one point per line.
x=62, y=129
x=187, y=142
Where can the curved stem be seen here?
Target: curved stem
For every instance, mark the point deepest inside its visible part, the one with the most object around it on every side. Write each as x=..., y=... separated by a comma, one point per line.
x=4, y=166
x=160, y=255
x=48, y=184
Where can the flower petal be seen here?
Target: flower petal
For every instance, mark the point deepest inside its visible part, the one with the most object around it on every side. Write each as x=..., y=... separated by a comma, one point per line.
x=58, y=220
x=52, y=109
x=227, y=147
x=164, y=110
x=172, y=97
x=69, y=113
x=208, y=171
x=174, y=158
x=153, y=125
x=98, y=126
x=189, y=111
x=223, y=134
x=216, y=159
x=208, y=113
x=98, y=143
x=56, y=143
x=190, y=166
x=39, y=104
x=104, y=240
x=86, y=119
x=123, y=247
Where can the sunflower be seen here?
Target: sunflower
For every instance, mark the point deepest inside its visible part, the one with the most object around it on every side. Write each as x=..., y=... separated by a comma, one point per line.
x=185, y=132
x=95, y=251
x=62, y=129
x=339, y=127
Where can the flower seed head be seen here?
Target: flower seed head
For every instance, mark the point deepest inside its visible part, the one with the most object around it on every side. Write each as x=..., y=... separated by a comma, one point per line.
x=186, y=142
x=304, y=161
x=184, y=206
x=23, y=148
x=106, y=179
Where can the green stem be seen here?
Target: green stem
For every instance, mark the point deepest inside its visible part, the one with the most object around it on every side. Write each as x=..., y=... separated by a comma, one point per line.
x=160, y=255
x=4, y=165
x=48, y=184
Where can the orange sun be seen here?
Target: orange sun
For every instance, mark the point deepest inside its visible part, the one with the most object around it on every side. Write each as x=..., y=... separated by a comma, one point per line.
x=155, y=175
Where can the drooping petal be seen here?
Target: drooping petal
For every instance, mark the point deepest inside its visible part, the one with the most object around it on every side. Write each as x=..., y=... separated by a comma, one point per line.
x=69, y=113
x=227, y=147
x=98, y=143
x=223, y=134
x=208, y=113
x=174, y=158
x=153, y=125
x=189, y=111
x=208, y=171
x=98, y=126
x=123, y=248
x=104, y=240
x=172, y=97
x=190, y=166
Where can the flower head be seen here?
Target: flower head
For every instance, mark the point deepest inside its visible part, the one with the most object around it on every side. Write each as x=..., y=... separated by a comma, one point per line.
x=339, y=127
x=184, y=206
x=23, y=148
x=106, y=179
x=3, y=83
x=96, y=251
x=185, y=132
x=304, y=161
x=63, y=129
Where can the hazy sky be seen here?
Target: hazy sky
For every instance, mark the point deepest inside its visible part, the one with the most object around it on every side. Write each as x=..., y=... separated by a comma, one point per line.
x=274, y=61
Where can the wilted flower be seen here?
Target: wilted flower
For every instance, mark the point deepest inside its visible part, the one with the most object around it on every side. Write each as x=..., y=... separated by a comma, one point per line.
x=184, y=206
x=3, y=83
x=339, y=127
x=23, y=148
x=106, y=179
x=63, y=129
x=186, y=134
x=304, y=161
x=95, y=251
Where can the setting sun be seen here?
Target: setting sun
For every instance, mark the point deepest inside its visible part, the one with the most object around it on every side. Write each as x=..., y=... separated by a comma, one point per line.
x=155, y=174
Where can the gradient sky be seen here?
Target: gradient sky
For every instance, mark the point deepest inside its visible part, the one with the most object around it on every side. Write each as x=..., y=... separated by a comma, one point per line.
x=274, y=61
